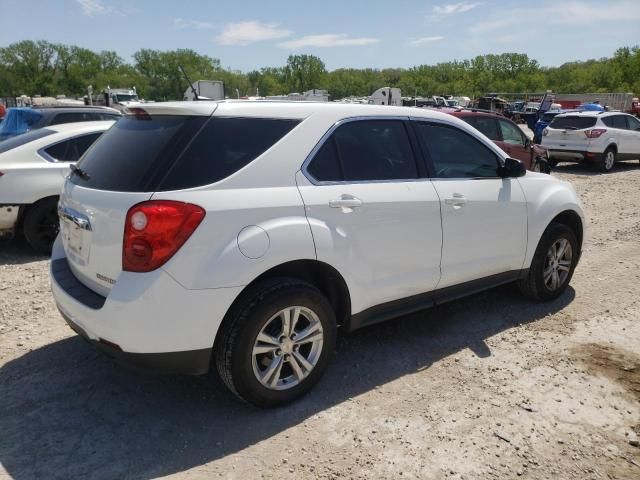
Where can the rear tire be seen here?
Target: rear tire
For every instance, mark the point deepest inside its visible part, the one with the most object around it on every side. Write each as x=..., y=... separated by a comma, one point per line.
x=41, y=225
x=538, y=285
x=259, y=359
x=608, y=160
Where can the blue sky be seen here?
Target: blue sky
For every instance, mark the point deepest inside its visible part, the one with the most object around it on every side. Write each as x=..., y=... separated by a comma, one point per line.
x=248, y=34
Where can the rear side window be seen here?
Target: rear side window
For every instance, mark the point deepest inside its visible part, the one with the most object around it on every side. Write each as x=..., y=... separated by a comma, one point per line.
x=488, y=126
x=366, y=150
x=71, y=150
x=61, y=118
x=456, y=154
x=511, y=134
x=615, y=121
x=572, y=123
x=23, y=139
x=224, y=146
x=632, y=123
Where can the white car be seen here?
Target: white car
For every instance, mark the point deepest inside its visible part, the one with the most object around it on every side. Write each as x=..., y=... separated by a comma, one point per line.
x=601, y=138
x=241, y=234
x=33, y=167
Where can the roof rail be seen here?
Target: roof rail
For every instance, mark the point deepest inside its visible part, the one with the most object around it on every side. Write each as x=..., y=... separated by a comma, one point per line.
x=482, y=110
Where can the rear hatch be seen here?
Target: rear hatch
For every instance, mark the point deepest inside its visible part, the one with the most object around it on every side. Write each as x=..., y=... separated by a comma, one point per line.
x=123, y=168
x=568, y=132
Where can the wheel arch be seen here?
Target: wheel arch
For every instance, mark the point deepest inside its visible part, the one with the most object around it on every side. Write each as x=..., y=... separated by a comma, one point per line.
x=24, y=209
x=319, y=274
x=612, y=146
x=571, y=219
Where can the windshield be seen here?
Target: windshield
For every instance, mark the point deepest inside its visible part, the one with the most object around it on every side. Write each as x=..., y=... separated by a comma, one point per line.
x=572, y=123
x=122, y=97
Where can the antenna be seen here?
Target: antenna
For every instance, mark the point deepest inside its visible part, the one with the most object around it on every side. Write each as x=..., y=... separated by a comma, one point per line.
x=195, y=93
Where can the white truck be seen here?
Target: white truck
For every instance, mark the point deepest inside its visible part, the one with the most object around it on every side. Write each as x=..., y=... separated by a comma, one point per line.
x=386, y=96
x=206, y=90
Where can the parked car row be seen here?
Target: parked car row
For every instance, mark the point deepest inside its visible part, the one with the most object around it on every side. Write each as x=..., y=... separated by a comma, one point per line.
x=240, y=235
x=33, y=167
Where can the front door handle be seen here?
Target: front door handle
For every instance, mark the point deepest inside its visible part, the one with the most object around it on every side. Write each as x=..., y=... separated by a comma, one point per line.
x=345, y=201
x=457, y=201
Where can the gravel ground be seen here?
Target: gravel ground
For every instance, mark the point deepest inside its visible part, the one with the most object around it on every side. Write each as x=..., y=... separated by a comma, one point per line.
x=493, y=386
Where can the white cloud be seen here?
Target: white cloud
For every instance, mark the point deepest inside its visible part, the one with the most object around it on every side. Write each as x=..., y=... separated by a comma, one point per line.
x=575, y=12
x=425, y=40
x=327, y=40
x=244, y=33
x=93, y=8
x=182, y=23
x=453, y=8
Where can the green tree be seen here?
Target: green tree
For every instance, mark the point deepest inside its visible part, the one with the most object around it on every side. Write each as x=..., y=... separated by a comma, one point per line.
x=304, y=72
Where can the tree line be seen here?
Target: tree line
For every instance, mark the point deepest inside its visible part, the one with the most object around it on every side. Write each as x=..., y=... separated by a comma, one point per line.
x=47, y=69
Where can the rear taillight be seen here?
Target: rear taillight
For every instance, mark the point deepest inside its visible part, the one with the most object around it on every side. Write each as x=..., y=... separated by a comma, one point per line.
x=595, y=133
x=154, y=231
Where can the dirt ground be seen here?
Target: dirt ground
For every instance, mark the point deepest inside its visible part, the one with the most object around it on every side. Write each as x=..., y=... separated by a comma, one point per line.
x=493, y=386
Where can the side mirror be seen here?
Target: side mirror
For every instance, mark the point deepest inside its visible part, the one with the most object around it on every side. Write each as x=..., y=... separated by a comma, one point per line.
x=512, y=168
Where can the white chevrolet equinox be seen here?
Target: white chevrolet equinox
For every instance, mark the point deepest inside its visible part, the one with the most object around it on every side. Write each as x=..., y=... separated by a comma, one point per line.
x=241, y=234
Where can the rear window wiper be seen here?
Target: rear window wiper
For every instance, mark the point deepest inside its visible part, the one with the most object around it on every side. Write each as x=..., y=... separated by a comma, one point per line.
x=80, y=172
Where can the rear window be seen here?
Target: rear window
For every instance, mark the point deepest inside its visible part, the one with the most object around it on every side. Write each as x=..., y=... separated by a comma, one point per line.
x=573, y=123
x=166, y=152
x=19, y=140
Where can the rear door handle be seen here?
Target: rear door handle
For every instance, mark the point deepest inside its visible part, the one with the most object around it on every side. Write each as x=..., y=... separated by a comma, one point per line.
x=345, y=201
x=458, y=200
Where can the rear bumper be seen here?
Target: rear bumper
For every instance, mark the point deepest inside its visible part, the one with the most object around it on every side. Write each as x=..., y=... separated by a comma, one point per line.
x=193, y=362
x=147, y=320
x=574, y=155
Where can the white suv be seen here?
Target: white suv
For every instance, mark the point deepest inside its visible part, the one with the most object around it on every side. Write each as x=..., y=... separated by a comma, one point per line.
x=596, y=137
x=242, y=234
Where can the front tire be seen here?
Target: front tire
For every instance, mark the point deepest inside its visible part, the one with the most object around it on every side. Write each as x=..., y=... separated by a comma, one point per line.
x=553, y=264
x=277, y=342
x=41, y=225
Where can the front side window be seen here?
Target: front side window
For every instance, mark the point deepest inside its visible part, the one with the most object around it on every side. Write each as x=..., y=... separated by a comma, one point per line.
x=510, y=133
x=366, y=150
x=456, y=154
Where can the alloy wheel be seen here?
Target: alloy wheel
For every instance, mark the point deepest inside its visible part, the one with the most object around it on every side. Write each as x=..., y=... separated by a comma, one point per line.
x=287, y=348
x=558, y=264
x=609, y=160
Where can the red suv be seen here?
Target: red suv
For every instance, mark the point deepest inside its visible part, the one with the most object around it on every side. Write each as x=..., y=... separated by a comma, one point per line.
x=508, y=136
